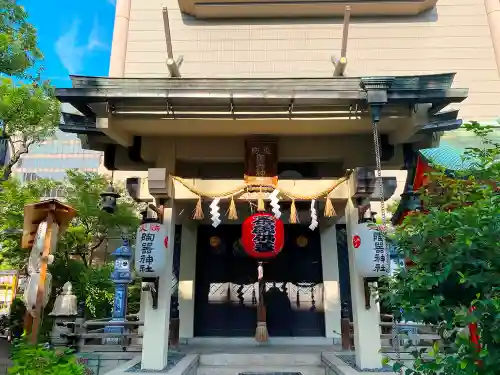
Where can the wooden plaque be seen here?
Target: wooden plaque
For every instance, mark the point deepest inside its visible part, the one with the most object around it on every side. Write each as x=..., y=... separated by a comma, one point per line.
x=261, y=161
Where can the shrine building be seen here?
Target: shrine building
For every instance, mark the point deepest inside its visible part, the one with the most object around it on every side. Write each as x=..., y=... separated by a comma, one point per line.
x=218, y=111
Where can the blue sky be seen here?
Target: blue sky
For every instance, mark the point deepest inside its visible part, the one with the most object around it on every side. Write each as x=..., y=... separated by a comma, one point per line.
x=75, y=36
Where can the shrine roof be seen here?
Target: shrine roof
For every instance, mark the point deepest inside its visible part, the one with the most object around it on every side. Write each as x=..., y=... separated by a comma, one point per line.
x=230, y=97
x=455, y=163
x=447, y=157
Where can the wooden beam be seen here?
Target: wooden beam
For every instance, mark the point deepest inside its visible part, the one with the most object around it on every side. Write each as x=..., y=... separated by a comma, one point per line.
x=341, y=63
x=345, y=31
x=172, y=65
x=168, y=38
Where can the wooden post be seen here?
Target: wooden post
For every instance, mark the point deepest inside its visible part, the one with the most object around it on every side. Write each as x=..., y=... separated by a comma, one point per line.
x=54, y=213
x=28, y=323
x=345, y=333
x=341, y=63
x=345, y=327
x=43, y=274
x=172, y=65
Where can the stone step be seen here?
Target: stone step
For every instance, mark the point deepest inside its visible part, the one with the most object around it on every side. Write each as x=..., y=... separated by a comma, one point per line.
x=261, y=359
x=261, y=370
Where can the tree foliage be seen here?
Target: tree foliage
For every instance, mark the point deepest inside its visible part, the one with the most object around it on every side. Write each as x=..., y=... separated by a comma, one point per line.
x=92, y=226
x=454, y=245
x=29, y=112
x=91, y=285
x=13, y=197
x=85, y=236
x=18, y=40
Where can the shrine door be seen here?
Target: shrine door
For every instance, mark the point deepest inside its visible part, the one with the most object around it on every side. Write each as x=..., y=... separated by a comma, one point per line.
x=226, y=285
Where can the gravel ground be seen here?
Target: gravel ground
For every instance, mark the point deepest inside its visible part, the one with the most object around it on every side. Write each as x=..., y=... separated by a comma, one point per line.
x=351, y=361
x=172, y=360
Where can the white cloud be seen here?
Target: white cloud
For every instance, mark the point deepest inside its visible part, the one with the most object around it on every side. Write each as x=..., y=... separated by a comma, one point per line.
x=94, y=41
x=71, y=52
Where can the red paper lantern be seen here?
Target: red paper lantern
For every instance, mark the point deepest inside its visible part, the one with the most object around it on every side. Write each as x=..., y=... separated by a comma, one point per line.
x=263, y=236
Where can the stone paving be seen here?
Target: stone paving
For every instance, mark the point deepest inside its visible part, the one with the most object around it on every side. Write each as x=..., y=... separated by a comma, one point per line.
x=4, y=356
x=172, y=360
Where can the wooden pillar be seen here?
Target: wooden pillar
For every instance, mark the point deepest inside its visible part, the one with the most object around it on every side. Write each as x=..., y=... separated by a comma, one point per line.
x=56, y=214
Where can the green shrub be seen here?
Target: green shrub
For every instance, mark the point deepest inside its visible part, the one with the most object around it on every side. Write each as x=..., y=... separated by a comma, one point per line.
x=454, y=279
x=39, y=360
x=16, y=317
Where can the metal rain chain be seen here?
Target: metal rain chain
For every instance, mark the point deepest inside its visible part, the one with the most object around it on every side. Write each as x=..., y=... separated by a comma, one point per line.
x=376, y=142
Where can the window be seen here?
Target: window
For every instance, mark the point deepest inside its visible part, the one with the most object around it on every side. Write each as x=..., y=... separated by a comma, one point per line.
x=54, y=193
x=30, y=177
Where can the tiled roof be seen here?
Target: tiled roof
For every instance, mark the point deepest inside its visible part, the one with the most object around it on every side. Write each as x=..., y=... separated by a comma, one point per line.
x=447, y=157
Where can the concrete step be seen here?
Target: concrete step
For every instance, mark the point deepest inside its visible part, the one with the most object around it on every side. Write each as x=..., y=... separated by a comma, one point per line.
x=261, y=370
x=261, y=359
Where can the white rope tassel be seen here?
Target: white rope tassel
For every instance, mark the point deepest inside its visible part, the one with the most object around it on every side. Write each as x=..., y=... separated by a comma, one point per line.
x=314, y=216
x=214, y=212
x=275, y=203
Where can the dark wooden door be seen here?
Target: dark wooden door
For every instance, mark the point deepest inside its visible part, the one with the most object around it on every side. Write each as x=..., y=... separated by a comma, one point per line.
x=225, y=301
x=226, y=285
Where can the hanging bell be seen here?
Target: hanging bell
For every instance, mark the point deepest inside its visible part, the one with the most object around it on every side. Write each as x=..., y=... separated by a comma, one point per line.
x=108, y=199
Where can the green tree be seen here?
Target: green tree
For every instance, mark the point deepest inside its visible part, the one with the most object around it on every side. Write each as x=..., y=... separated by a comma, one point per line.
x=91, y=285
x=86, y=234
x=29, y=112
x=13, y=197
x=93, y=226
x=18, y=40
x=454, y=245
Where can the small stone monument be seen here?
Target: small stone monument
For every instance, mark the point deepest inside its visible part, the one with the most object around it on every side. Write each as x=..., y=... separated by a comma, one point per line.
x=65, y=310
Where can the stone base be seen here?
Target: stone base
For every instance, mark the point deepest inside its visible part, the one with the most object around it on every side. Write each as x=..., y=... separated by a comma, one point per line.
x=114, y=341
x=55, y=336
x=337, y=366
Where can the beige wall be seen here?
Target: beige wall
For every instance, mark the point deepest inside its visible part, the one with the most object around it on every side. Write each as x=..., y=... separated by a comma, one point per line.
x=453, y=37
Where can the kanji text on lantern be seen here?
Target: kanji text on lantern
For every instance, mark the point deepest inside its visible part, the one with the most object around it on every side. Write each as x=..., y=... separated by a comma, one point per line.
x=264, y=233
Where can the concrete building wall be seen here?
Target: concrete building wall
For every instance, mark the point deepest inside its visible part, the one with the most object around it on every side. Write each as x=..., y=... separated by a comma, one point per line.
x=53, y=157
x=455, y=36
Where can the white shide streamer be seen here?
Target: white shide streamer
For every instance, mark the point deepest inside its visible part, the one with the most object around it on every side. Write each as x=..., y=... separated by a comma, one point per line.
x=214, y=212
x=275, y=203
x=314, y=216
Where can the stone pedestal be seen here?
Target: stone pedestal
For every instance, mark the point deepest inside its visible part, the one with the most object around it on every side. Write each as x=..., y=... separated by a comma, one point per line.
x=58, y=329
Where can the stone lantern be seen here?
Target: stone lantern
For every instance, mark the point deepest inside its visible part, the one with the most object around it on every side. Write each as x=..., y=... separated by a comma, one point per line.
x=121, y=277
x=64, y=310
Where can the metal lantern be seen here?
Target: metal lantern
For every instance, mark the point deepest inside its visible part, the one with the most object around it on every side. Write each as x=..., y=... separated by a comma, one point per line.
x=108, y=200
